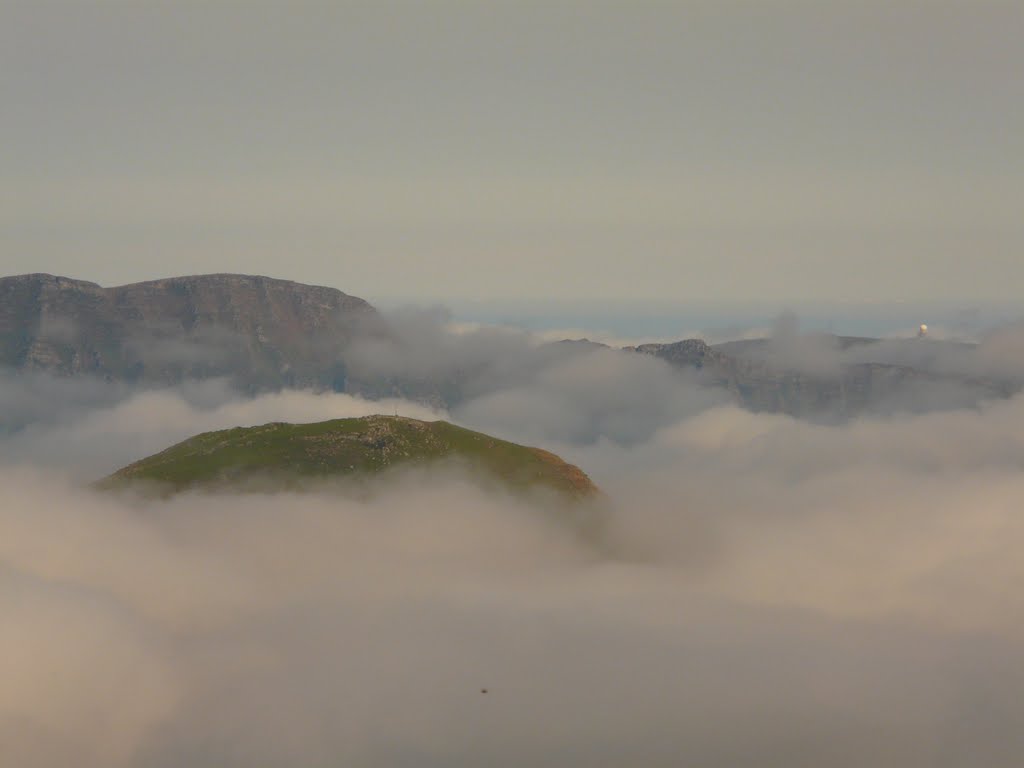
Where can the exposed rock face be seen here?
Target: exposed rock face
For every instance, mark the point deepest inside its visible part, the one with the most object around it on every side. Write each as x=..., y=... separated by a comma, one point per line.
x=760, y=384
x=689, y=353
x=259, y=332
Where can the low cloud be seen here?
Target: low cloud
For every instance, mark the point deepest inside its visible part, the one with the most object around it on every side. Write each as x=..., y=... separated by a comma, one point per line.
x=767, y=591
x=995, y=353
x=913, y=517
x=31, y=398
x=512, y=382
x=420, y=345
x=590, y=396
x=583, y=391
x=117, y=427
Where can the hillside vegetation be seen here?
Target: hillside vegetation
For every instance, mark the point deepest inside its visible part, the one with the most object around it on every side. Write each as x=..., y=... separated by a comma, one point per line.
x=280, y=456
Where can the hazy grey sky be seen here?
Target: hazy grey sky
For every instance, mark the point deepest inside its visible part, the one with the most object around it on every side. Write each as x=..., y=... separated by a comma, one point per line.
x=722, y=151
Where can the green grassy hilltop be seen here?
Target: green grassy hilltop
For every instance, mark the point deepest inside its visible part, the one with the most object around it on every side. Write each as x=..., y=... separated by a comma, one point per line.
x=278, y=456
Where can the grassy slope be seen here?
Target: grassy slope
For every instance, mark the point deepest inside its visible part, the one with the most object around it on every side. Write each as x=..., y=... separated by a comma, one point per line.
x=280, y=454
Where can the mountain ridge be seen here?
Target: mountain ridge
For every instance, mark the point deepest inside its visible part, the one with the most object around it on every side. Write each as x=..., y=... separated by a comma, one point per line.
x=267, y=334
x=843, y=389
x=260, y=332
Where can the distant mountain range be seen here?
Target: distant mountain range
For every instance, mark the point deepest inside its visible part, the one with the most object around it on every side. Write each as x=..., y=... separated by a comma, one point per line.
x=764, y=377
x=264, y=334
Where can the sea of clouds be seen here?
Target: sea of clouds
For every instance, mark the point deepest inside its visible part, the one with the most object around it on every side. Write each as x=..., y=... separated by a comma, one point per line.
x=762, y=591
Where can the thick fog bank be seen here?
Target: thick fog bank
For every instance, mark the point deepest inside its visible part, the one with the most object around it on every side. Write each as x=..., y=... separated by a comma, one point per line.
x=764, y=592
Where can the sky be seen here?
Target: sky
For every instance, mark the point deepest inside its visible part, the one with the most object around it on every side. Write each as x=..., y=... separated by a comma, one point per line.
x=850, y=151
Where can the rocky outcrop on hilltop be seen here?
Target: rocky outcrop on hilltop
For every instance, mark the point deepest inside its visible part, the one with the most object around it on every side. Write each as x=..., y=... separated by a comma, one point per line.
x=258, y=332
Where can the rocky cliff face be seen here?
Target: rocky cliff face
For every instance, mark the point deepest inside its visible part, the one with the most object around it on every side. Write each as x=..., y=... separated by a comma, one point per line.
x=258, y=332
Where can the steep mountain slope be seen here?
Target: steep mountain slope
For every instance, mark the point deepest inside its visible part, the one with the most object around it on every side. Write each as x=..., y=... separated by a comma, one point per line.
x=260, y=332
x=276, y=456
